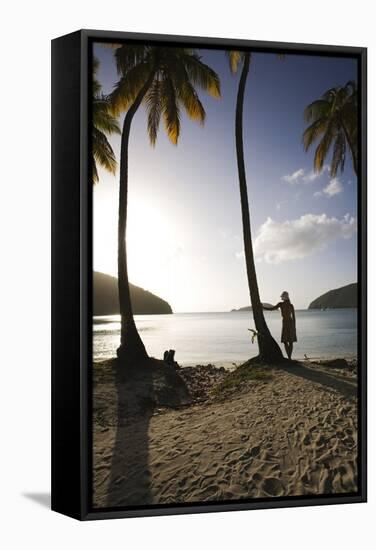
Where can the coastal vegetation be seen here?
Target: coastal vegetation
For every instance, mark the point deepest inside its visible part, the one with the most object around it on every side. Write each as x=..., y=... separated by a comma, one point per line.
x=106, y=298
x=334, y=124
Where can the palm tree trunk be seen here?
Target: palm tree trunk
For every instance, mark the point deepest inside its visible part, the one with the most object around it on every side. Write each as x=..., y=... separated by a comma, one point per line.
x=131, y=347
x=269, y=351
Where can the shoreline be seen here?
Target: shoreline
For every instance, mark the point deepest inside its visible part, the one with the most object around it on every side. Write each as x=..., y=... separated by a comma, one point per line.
x=249, y=432
x=231, y=365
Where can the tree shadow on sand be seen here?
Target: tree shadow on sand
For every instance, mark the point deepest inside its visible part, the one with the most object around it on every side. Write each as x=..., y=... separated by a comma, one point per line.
x=334, y=381
x=139, y=391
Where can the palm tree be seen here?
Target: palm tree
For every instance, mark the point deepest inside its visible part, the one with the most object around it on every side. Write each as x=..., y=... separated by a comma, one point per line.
x=269, y=350
x=164, y=80
x=103, y=123
x=334, y=121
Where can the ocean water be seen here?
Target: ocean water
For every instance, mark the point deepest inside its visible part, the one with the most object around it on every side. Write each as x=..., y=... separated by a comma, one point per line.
x=202, y=338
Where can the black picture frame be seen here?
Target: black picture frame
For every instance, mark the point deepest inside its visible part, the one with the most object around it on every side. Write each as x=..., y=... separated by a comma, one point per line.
x=72, y=269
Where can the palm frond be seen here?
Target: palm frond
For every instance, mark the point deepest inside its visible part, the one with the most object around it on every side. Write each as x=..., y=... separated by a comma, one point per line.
x=313, y=132
x=103, y=152
x=102, y=118
x=170, y=110
x=128, y=56
x=191, y=102
x=335, y=117
x=154, y=108
x=202, y=75
x=316, y=109
x=96, y=84
x=94, y=172
x=234, y=58
x=339, y=154
x=322, y=149
x=126, y=90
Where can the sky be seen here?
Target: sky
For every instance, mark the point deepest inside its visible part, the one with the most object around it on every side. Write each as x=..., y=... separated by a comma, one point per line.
x=184, y=231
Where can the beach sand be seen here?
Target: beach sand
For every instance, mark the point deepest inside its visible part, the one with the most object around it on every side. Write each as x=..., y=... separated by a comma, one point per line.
x=287, y=431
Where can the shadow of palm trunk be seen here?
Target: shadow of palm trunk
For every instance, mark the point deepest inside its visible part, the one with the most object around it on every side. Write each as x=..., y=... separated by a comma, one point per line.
x=130, y=476
x=315, y=373
x=139, y=391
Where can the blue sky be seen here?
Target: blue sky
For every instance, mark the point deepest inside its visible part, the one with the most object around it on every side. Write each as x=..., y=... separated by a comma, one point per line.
x=185, y=232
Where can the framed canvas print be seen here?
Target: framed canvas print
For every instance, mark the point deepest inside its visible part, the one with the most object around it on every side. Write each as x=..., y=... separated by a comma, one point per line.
x=208, y=274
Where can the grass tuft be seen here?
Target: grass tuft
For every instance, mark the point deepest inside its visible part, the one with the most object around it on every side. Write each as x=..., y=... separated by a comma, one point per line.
x=241, y=376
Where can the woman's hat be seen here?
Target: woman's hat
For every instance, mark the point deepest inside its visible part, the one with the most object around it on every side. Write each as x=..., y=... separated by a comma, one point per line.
x=285, y=295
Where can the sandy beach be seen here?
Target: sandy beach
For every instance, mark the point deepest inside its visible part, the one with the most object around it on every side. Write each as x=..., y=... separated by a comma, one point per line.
x=252, y=433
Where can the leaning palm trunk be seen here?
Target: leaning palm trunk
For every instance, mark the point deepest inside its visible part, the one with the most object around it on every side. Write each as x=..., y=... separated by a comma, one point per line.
x=131, y=347
x=269, y=351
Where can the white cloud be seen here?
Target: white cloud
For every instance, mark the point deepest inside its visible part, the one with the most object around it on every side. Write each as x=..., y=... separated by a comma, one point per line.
x=294, y=239
x=294, y=177
x=333, y=188
x=240, y=255
x=302, y=176
x=311, y=176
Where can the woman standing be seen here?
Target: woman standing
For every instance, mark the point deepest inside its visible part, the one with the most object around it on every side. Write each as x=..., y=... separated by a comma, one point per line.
x=288, y=336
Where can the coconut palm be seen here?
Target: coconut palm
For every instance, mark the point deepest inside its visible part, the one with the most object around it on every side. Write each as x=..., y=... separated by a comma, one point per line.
x=164, y=80
x=334, y=122
x=269, y=350
x=103, y=124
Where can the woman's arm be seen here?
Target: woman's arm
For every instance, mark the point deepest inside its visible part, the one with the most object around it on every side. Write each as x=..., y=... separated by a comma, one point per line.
x=293, y=314
x=272, y=308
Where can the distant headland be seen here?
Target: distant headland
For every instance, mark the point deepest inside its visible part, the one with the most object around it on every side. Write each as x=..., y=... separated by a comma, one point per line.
x=344, y=297
x=106, y=300
x=249, y=308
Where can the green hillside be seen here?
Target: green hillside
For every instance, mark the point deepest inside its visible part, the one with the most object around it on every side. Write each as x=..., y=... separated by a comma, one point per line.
x=105, y=299
x=344, y=297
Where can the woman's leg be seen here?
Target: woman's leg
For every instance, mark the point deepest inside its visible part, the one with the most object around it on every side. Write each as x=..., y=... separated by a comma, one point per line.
x=286, y=348
x=291, y=348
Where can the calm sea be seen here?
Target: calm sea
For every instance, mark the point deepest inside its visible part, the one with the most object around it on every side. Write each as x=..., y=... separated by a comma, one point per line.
x=202, y=338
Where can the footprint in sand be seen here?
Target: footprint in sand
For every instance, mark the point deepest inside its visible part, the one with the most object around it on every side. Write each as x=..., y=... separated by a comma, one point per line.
x=273, y=487
x=255, y=451
x=307, y=439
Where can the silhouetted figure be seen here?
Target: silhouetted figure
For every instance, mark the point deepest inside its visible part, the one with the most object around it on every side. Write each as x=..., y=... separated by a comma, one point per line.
x=288, y=335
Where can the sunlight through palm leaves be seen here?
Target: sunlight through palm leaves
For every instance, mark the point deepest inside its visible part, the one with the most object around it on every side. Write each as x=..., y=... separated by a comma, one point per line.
x=164, y=80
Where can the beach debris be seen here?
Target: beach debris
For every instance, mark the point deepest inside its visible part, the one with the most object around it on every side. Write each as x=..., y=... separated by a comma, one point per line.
x=254, y=335
x=169, y=356
x=338, y=363
x=202, y=379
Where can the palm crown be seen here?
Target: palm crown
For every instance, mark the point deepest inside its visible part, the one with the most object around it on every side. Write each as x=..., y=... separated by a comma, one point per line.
x=235, y=57
x=333, y=121
x=174, y=74
x=103, y=124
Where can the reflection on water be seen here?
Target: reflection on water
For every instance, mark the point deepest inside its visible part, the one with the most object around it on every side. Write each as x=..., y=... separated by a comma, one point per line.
x=201, y=338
